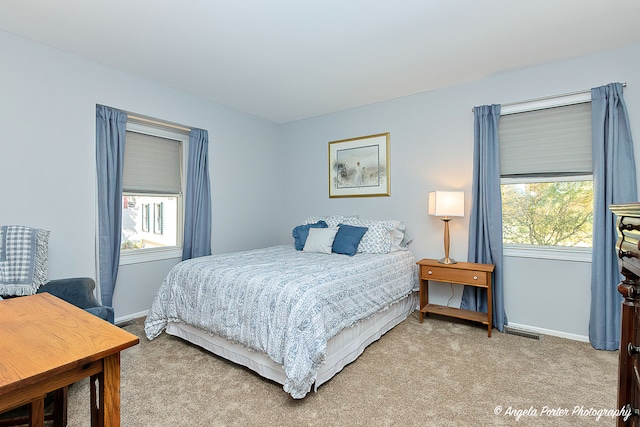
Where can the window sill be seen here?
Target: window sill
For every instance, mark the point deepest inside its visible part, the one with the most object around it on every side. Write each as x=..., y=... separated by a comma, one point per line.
x=149, y=255
x=557, y=253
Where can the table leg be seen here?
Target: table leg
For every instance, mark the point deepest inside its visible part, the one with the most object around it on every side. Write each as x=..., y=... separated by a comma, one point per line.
x=489, y=303
x=111, y=387
x=424, y=296
x=421, y=299
x=37, y=412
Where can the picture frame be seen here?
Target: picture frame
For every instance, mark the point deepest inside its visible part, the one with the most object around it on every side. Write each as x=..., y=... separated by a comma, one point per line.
x=359, y=167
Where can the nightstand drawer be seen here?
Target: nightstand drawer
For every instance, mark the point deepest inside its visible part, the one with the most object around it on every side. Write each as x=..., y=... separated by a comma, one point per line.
x=446, y=274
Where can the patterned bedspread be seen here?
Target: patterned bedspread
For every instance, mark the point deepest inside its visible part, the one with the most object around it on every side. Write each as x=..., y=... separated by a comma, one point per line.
x=282, y=302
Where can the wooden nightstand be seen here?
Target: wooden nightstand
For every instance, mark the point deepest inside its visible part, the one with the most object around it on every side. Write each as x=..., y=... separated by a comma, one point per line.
x=461, y=273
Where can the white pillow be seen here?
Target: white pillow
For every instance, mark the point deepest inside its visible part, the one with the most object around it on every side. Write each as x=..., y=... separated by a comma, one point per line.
x=320, y=240
x=398, y=236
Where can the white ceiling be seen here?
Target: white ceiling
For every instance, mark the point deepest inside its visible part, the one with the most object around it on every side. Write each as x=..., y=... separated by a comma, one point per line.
x=285, y=60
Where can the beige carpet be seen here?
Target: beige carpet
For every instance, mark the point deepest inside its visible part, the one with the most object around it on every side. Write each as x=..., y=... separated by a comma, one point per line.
x=439, y=373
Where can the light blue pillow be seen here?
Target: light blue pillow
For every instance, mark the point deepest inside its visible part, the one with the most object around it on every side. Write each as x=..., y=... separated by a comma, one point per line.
x=301, y=232
x=347, y=239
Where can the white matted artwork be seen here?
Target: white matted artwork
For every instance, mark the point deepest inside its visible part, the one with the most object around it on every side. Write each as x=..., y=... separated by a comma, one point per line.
x=359, y=167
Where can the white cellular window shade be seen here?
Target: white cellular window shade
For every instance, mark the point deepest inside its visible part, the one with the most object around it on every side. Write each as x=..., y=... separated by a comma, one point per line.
x=550, y=141
x=152, y=164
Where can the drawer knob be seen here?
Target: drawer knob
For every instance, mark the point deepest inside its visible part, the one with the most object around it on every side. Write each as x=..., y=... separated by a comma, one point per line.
x=475, y=277
x=632, y=349
x=628, y=227
x=430, y=272
x=630, y=411
x=625, y=254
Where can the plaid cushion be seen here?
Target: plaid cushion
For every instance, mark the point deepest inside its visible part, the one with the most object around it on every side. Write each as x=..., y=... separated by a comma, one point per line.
x=23, y=259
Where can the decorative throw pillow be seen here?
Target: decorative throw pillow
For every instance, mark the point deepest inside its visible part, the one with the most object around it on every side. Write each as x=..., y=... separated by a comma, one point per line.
x=377, y=239
x=320, y=240
x=301, y=232
x=332, y=221
x=313, y=219
x=347, y=239
x=24, y=253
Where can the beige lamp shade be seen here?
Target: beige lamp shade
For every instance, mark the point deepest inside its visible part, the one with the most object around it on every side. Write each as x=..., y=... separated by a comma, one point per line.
x=446, y=203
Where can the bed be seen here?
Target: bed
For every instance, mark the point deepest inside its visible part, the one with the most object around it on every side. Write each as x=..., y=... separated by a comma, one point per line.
x=296, y=317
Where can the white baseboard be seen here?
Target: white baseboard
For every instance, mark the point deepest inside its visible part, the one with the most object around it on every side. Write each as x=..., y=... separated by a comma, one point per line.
x=551, y=332
x=129, y=317
x=542, y=331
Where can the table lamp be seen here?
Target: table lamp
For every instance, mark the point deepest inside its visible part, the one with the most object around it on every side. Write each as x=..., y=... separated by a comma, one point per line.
x=446, y=205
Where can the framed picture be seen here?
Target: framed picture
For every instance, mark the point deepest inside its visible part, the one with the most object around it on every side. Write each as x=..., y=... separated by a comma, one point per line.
x=359, y=167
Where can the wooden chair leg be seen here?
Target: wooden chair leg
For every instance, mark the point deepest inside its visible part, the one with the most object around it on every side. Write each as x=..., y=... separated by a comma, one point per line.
x=58, y=413
x=59, y=416
x=96, y=391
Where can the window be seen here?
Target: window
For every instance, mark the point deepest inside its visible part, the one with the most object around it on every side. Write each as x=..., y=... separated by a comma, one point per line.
x=145, y=214
x=548, y=213
x=546, y=178
x=159, y=218
x=152, y=209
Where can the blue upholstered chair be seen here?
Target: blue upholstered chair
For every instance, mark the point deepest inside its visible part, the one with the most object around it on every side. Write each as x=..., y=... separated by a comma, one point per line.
x=79, y=292
x=25, y=256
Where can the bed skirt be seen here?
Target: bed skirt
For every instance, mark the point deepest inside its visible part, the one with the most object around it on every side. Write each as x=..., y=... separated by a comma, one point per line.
x=342, y=349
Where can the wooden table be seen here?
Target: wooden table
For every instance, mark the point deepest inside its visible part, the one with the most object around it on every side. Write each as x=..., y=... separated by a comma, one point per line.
x=461, y=273
x=47, y=344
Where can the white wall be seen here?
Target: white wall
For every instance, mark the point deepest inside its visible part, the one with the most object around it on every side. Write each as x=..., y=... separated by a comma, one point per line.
x=47, y=160
x=432, y=148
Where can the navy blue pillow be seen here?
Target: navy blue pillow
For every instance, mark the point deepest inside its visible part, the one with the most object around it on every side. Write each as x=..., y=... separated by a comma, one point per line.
x=301, y=232
x=347, y=239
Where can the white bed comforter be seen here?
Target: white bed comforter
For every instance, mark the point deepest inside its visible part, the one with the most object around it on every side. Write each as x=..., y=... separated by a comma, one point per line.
x=282, y=302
